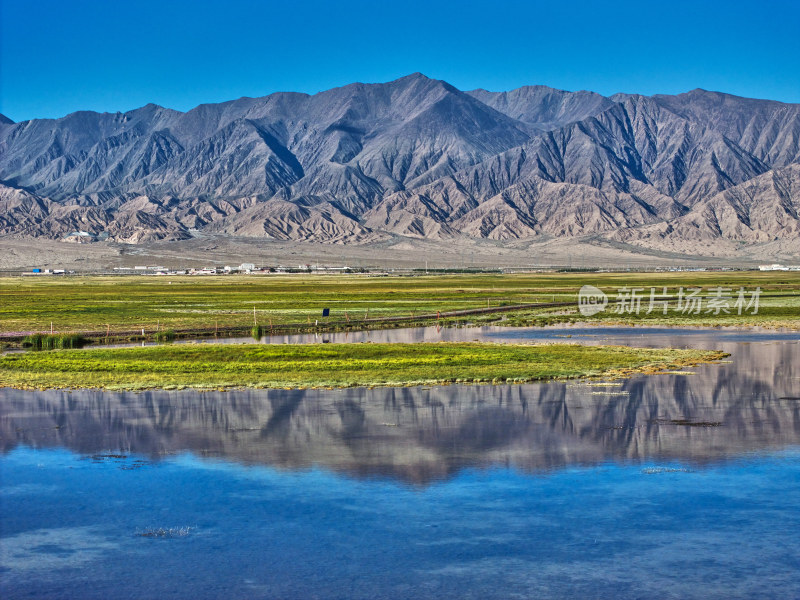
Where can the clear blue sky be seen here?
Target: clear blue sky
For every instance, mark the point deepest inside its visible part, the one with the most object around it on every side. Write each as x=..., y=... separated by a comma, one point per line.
x=114, y=55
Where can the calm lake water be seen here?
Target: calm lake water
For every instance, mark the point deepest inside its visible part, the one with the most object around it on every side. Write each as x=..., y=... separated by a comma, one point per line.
x=665, y=486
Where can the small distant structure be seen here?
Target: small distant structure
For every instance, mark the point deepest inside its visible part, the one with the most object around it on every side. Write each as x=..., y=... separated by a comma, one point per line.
x=80, y=237
x=324, y=269
x=773, y=267
x=84, y=237
x=38, y=271
x=247, y=267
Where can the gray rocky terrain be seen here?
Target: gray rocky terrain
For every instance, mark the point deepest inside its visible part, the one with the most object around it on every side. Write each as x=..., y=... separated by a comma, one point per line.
x=701, y=173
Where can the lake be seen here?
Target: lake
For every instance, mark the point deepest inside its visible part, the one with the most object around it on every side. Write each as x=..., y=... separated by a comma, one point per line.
x=681, y=485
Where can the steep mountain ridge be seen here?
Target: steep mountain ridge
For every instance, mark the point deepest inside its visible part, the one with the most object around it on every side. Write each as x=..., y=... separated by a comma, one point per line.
x=761, y=210
x=414, y=157
x=543, y=107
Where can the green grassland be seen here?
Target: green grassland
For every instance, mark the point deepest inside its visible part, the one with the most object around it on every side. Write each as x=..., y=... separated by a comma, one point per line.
x=329, y=365
x=125, y=303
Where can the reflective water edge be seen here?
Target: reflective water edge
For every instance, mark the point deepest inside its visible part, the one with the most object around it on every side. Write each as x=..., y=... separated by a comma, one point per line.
x=668, y=486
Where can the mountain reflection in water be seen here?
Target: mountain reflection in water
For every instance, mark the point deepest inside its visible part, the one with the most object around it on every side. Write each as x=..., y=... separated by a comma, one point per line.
x=419, y=435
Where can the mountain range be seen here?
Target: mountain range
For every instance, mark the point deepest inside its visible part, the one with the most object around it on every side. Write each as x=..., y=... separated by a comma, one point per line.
x=416, y=158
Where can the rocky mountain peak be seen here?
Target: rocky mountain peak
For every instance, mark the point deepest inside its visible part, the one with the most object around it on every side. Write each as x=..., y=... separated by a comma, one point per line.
x=412, y=157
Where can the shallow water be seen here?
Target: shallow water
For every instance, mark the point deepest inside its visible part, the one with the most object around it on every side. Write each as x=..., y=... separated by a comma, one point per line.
x=667, y=486
x=578, y=333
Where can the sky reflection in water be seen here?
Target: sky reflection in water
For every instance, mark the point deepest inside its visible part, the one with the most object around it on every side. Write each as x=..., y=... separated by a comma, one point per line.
x=673, y=486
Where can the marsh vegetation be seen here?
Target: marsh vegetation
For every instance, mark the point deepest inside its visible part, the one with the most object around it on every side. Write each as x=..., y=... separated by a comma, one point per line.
x=330, y=365
x=128, y=305
x=60, y=341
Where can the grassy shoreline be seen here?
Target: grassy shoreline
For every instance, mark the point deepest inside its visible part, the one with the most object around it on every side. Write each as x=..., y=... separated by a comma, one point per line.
x=123, y=307
x=331, y=365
